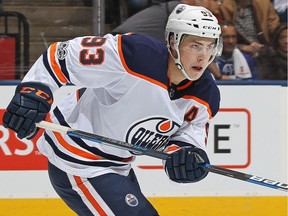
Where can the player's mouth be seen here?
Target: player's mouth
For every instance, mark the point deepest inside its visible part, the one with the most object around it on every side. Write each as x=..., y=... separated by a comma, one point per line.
x=197, y=68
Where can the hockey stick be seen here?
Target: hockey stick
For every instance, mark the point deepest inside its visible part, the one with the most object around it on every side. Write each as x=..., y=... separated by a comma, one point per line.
x=160, y=155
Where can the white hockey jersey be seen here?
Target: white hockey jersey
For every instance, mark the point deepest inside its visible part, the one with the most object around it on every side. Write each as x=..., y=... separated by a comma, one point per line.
x=126, y=95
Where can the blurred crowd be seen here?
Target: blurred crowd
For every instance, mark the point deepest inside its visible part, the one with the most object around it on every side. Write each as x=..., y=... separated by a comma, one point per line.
x=254, y=34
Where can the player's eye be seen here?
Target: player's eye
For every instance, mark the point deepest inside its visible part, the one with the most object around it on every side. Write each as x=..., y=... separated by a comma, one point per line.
x=196, y=46
x=211, y=47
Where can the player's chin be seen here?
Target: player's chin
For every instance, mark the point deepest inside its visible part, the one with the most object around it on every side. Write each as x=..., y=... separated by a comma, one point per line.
x=196, y=75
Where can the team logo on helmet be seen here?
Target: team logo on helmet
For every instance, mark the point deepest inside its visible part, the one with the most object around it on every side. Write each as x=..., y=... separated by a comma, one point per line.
x=131, y=200
x=180, y=9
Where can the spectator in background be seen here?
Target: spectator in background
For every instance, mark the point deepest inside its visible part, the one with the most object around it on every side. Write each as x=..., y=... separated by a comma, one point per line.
x=152, y=20
x=281, y=8
x=272, y=60
x=255, y=21
x=233, y=63
x=215, y=7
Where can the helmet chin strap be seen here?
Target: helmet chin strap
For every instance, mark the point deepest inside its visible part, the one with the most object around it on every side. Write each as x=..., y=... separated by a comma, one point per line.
x=179, y=65
x=181, y=68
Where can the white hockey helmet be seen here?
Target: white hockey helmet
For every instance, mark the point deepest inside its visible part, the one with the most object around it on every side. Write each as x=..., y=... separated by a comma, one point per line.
x=192, y=20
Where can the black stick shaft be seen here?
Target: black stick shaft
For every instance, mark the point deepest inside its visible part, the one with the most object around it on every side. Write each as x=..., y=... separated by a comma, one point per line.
x=118, y=144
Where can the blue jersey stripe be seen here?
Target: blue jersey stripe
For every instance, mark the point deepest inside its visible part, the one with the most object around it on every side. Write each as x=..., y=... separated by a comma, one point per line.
x=48, y=68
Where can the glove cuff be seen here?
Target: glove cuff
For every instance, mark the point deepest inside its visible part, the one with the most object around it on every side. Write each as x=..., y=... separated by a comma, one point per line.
x=176, y=145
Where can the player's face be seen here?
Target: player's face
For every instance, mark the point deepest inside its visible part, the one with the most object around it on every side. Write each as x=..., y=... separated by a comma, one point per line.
x=195, y=53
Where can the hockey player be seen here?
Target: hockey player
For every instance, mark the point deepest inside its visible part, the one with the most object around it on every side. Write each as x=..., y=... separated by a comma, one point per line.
x=134, y=89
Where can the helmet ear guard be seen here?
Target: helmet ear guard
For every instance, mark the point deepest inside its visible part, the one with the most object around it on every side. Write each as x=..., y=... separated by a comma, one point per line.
x=219, y=47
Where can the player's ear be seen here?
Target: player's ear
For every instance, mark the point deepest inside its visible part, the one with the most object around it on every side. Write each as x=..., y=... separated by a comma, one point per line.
x=172, y=42
x=172, y=46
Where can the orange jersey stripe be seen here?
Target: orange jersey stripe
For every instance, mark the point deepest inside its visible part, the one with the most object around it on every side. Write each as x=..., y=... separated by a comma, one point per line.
x=77, y=95
x=73, y=149
x=185, y=86
x=55, y=66
x=133, y=72
x=77, y=151
x=201, y=102
x=89, y=196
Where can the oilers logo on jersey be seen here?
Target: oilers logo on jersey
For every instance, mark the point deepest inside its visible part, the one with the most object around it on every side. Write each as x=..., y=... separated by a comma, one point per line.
x=152, y=133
